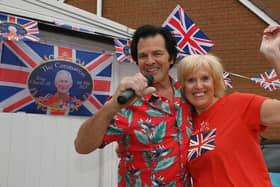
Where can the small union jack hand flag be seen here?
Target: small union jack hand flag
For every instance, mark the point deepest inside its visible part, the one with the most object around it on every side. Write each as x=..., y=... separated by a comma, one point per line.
x=188, y=36
x=201, y=143
x=16, y=28
x=122, y=51
x=227, y=79
x=268, y=80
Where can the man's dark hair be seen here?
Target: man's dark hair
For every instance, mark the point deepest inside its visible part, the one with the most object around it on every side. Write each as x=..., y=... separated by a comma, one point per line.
x=151, y=30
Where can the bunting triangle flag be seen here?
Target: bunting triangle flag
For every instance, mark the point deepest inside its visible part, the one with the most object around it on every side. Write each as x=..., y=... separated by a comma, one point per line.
x=188, y=36
x=16, y=28
x=267, y=80
x=180, y=56
x=227, y=79
x=122, y=51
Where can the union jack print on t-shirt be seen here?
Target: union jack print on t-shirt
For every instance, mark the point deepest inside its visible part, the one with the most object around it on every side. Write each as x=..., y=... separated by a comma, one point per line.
x=201, y=143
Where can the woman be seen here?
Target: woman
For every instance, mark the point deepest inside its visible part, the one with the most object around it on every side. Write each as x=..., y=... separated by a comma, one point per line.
x=224, y=146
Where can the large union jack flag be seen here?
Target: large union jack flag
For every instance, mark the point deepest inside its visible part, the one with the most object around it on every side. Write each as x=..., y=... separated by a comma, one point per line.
x=267, y=80
x=122, y=51
x=227, y=79
x=188, y=36
x=31, y=63
x=16, y=28
x=201, y=143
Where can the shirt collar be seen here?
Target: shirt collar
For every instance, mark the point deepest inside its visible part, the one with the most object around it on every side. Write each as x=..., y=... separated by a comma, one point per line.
x=176, y=87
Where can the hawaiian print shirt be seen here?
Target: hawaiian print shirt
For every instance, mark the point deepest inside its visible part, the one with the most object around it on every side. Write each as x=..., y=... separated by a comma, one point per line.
x=152, y=135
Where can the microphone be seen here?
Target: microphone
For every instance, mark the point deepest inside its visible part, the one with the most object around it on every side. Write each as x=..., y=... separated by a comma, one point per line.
x=129, y=93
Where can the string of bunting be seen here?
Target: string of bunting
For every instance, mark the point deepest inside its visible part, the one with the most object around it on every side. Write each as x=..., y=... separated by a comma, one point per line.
x=72, y=27
x=267, y=80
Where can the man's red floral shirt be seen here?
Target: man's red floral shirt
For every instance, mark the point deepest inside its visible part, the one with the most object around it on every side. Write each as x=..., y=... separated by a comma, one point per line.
x=152, y=136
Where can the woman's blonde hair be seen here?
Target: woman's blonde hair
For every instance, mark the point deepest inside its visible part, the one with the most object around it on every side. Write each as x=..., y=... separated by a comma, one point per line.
x=192, y=63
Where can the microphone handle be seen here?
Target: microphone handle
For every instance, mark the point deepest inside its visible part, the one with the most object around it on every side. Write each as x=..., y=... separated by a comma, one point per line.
x=124, y=96
x=129, y=93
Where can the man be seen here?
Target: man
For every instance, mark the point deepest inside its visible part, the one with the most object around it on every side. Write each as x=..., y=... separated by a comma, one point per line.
x=151, y=128
x=63, y=83
x=62, y=102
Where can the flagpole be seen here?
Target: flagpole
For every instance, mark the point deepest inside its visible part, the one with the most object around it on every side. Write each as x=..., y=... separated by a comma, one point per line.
x=237, y=75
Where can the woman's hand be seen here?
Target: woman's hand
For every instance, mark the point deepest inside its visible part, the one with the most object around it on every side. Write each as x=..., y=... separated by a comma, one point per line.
x=270, y=46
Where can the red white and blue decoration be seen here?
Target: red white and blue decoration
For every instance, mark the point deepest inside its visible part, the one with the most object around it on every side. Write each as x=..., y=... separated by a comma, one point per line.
x=122, y=51
x=46, y=79
x=74, y=28
x=227, y=79
x=188, y=36
x=267, y=80
x=201, y=143
x=16, y=28
x=180, y=56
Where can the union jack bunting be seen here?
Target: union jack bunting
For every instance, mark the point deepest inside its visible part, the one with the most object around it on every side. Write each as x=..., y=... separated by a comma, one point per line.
x=180, y=56
x=16, y=28
x=201, y=143
x=71, y=27
x=188, y=36
x=227, y=79
x=122, y=51
x=46, y=79
x=268, y=80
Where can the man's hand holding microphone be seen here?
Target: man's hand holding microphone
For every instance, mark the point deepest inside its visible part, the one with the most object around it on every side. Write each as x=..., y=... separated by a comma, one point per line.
x=132, y=89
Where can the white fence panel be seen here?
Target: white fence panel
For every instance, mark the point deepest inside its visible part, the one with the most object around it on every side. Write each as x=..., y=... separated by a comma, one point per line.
x=5, y=148
x=38, y=151
x=34, y=149
x=17, y=157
